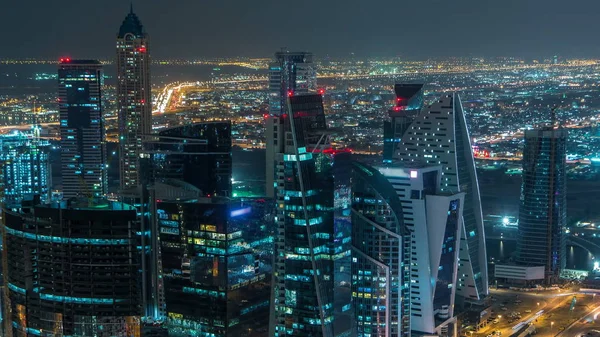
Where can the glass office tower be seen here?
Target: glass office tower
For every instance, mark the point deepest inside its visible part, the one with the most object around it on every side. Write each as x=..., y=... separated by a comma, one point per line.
x=134, y=96
x=292, y=73
x=303, y=276
x=409, y=102
x=72, y=269
x=26, y=168
x=543, y=209
x=198, y=154
x=381, y=256
x=82, y=133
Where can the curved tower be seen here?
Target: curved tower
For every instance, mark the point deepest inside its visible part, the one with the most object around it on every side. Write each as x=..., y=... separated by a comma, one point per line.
x=134, y=101
x=72, y=270
x=439, y=136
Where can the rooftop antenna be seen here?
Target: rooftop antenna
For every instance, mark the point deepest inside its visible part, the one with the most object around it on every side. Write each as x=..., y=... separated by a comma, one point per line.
x=131, y=7
x=553, y=116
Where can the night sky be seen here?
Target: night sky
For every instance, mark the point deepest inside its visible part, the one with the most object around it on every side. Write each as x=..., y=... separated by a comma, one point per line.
x=207, y=28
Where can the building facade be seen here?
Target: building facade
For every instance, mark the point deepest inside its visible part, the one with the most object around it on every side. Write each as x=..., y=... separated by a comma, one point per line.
x=408, y=105
x=292, y=73
x=72, y=269
x=216, y=258
x=26, y=170
x=433, y=220
x=381, y=255
x=304, y=270
x=543, y=208
x=134, y=97
x=82, y=133
x=439, y=136
x=197, y=154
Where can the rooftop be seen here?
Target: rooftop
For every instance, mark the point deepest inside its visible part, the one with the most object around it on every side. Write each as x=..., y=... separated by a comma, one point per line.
x=131, y=25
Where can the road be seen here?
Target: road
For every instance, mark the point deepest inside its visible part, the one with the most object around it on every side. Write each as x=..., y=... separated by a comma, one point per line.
x=553, y=308
x=583, y=325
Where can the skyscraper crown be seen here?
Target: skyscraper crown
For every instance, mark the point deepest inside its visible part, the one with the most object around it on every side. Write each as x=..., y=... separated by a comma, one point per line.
x=131, y=25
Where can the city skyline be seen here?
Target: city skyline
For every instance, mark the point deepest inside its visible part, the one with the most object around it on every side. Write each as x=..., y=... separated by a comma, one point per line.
x=529, y=29
x=236, y=197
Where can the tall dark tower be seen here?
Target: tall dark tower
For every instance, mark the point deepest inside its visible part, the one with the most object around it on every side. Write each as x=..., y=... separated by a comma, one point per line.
x=83, y=157
x=133, y=96
x=542, y=213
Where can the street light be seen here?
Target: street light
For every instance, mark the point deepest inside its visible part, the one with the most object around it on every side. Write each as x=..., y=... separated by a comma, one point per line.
x=538, y=303
x=551, y=325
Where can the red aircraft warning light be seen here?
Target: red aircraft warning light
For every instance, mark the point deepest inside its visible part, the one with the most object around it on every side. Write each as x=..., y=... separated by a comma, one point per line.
x=290, y=93
x=321, y=92
x=65, y=59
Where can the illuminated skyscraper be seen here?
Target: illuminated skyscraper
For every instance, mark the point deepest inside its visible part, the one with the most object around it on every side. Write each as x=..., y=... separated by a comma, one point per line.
x=304, y=272
x=409, y=102
x=433, y=220
x=83, y=145
x=134, y=101
x=381, y=255
x=542, y=213
x=291, y=73
x=438, y=135
x=213, y=254
x=26, y=169
x=72, y=270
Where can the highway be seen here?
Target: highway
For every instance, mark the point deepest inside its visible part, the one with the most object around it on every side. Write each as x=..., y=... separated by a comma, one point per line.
x=549, y=311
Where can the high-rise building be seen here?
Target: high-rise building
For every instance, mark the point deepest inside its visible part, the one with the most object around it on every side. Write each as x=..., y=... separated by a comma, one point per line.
x=72, y=269
x=433, y=220
x=134, y=99
x=197, y=154
x=438, y=135
x=408, y=105
x=292, y=73
x=543, y=208
x=215, y=258
x=82, y=134
x=213, y=254
x=381, y=256
x=304, y=271
x=26, y=168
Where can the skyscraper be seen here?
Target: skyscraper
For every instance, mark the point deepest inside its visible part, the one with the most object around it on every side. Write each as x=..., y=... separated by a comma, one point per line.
x=197, y=154
x=439, y=136
x=216, y=271
x=542, y=213
x=72, y=270
x=409, y=102
x=26, y=168
x=213, y=253
x=432, y=219
x=381, y=255
x=292, y=73
x=83, y=146
x=134, y=101
x=303, y=276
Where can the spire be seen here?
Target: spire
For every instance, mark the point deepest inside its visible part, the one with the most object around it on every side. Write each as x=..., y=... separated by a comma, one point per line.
x=131, y=25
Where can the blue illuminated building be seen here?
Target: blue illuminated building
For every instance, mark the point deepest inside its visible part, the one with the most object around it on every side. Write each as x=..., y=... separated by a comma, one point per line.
x=82, y=133
x=215, y=260
x=381, y=256
x=26, y=168
x=543, y=208
x=213, y=254
x=73, y=270
x=304, y=267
